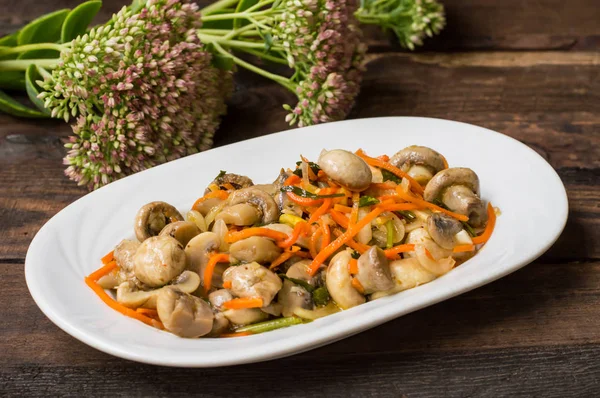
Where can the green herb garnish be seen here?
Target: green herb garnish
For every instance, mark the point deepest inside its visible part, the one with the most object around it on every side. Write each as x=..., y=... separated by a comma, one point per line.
x=389, y=229
x=469, y=229
x=389, y=176
x=355, y=255
x=307, y=286
x=313, y=166
x=409, y=215
x=367, y=201
x=321, y=296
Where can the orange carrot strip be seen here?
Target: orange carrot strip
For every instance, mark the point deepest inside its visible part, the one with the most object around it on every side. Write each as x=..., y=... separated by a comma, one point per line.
x=311, y=174
x=229, y=186
x=489, y=228
x=383, y=185
x=429, y=205
x=463, y=248
x=303, y=201
x=254, y=231
x=384, y=158
x=342, y=208
x=291, y=180
x=326, y=232
x=237, y=334
x=391, y=253
x=359, y=247
x=358, y=286
x=312, y=246
x=392, y=169
x=210, y=268
x=298, y=229
x=108, y=258
x=216, y=194
x=400, y=206
x=242, y=303
x=283, y=257
x=148, y=312
x=107, y=269
x=227, y=285
x=353, y=266
x=317, y=214
x=120, y=307
x=342, y=239
x=339, y=218
x=393, y=197
x=354, y=212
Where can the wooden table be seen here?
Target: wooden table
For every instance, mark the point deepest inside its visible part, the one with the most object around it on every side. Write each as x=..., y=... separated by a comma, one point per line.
x=528, y=69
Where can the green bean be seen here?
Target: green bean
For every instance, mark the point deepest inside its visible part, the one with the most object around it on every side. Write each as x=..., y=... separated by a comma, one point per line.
x=267, y=326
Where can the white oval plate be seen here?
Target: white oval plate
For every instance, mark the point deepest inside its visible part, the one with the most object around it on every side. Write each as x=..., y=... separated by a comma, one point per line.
x=529, y=193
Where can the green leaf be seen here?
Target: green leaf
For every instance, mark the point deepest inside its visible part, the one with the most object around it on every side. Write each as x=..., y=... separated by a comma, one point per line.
x=137, y=5
x=242, y=6
x=13, y=107
x=389, y=176
x=367, y=201
x=12, y=80
x=45, y=29
x=10, y=40
x=33, y=90
x=79, y=19
x=268, y=41
x=321, y=296
x=39, y=54
x=221, y=24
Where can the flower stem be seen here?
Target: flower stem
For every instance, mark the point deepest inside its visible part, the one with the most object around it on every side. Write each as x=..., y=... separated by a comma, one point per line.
x=217, y=6
x=266, y=56
x=235, y=15
x=23, y=64
x=232, y=43
x=31, y=47
x=240, y=62
x=238, y=31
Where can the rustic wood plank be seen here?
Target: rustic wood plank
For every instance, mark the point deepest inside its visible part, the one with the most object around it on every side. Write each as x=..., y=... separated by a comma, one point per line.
x=540, y=305
x=512, y=337
x=472, y=24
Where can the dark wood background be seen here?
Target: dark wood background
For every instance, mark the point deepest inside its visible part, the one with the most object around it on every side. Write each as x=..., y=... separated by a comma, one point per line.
x=529, y=69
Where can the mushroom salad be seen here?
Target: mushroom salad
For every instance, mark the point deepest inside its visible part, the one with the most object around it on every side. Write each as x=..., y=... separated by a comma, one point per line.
x=323, y=237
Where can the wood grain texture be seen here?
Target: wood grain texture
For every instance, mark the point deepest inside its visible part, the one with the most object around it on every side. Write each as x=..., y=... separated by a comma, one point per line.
x=526, y=69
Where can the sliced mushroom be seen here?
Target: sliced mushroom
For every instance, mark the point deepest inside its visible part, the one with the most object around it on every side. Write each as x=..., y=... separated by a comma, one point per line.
x=153, y=217
x=129, y=294
x=245, y=316
x=123, y=255
x=458, y=189
x=373, y=271
x=255, y=248
x=420, y=236
x=206, y=206
x=273, y=309
x=253, y=280
x=271, y=189
x=443, y=228
x=238, y=181
x=407, y=273
x=301, y=270
x=183, y=314
x=197, y=252
x=241, y=214
x=262, y=200
x=339, y=282
x=218, y=297
x=420, y=162
x=292, y=296
x=183, y=231
x=346, y=168
x=158, y=260
x=220, y=325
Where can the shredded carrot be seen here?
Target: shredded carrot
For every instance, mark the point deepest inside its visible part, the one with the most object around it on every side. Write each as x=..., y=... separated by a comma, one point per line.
x=342, y=239
x=215, y=194
x=359, y=247
x=358, y=286
x=229, y=186
x=210, y=268
x=107, y=269
x=242, y=303
x=283, y=257
x=394, y=251
x=445, y=161
x=383, y=185
x=303, y=201
x=317, y=214
x=227, y=285
x=400, y=206
x=312, y=246
x=384, y=158
x=342, y=208
x=291, y=180
x=393, y=197
x=326, y=232
x=339, y=218
x=353, y=266
x=148, y=312
x=489, y=228
x=298, y=229
x=429, y=205
x=311, y=174
x=237, y=334
x=254, y=231
x=392, y=169
x=120, y=307
x=463, y=248
x=108, y=258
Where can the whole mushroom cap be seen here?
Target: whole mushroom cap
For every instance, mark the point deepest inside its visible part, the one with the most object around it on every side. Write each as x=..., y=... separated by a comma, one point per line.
x=158, y=260
x=449, y=177
x=346, y=168
x=418, y=155
x=152, y=218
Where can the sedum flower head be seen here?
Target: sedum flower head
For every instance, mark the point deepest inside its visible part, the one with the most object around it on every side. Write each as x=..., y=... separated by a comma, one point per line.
x=142, y=89
x=324, y=45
